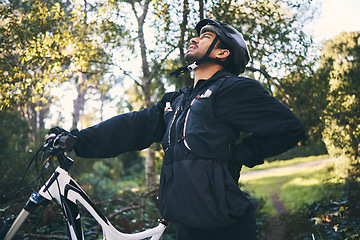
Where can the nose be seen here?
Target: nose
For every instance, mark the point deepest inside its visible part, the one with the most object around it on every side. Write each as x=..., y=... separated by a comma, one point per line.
x=194, y=40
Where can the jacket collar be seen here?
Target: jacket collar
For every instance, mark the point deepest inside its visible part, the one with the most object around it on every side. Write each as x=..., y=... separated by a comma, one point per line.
x=203, y=82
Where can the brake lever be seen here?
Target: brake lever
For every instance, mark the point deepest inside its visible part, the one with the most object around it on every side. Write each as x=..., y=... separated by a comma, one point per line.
x=58, y=143
x=48, y=139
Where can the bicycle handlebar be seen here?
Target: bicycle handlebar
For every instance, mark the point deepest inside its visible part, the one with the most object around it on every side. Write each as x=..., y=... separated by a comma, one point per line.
x=67, y=141
x=59, y=143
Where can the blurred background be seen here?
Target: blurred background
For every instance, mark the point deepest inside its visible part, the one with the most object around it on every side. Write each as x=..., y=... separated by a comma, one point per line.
x=75, y=63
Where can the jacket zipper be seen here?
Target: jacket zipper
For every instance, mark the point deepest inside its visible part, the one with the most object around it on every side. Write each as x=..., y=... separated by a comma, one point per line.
x=172, y=122
x=185, y=124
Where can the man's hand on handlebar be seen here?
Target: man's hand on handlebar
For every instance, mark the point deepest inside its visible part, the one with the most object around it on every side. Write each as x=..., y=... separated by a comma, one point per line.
x=58, y=139
x=54, y=131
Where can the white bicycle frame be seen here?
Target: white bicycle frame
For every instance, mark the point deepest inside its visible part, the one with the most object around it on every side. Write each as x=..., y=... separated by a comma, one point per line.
x=68, y=193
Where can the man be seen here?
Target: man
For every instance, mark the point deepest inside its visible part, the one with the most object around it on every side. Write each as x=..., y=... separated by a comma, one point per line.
x=199, y=129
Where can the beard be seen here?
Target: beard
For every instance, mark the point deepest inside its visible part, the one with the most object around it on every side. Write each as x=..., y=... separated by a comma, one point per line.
x=191, y=56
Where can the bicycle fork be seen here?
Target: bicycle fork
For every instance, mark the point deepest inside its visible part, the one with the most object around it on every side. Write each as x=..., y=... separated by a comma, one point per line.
x=34, y=201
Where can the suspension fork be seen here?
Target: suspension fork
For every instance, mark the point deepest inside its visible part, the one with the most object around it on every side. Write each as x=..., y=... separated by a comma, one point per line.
x=31, y=205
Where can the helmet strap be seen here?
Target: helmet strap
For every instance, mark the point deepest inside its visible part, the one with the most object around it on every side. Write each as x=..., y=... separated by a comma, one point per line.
x=195, y=64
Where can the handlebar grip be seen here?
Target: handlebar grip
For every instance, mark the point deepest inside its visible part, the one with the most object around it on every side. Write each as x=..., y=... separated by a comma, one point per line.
x=67, y=141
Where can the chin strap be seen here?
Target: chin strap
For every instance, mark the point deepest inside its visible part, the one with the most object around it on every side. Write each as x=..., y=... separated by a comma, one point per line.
x=195, y=64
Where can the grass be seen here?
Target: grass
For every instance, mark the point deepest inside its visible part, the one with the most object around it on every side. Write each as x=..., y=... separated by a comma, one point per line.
x=298, y=186
x=284, y=163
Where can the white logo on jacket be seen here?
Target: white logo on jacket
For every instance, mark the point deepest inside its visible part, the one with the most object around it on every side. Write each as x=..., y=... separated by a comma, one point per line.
x=168, y=107
x=206, y=94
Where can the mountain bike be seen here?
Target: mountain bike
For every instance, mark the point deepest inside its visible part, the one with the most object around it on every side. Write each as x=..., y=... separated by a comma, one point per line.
x=61, y=188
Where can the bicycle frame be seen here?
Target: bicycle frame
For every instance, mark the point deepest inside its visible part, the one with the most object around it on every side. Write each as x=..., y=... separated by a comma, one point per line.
x=61, y=187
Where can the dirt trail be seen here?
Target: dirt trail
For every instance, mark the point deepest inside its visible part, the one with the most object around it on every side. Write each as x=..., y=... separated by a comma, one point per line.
x=275, y=229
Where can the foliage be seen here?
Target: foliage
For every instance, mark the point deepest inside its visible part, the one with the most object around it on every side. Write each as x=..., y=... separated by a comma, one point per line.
x=274, y=31
x=322, y=200
x=328, y=219
x=13, y=152
x=44, y=44
x=34, y=40
x=109, y=177
x=127, y=40
x=175, y=21
x=308, y=150
x=309, y=106
x=341, y=117
x=261, y=215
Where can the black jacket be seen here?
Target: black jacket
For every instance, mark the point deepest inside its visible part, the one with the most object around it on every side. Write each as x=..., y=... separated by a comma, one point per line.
x=199, y=129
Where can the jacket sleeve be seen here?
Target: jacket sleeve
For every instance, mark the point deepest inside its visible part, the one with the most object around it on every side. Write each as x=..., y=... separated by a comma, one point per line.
x=125, y=132
x=273, y=128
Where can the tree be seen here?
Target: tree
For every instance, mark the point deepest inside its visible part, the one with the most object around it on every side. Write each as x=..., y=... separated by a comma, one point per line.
x=89, y=59
x=33, y=56
x=308, y=106
x=32, y=51
x=151, y=60
x=45, y=44
x=274, y=32
x=341, y=117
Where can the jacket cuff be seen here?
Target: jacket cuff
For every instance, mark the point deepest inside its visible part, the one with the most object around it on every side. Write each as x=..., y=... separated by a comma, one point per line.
x=244, y=156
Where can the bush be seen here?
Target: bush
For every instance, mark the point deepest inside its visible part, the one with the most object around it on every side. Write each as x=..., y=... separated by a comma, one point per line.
x=328, y=219
x=313, y=149
x=340, y=117
x=13, y=151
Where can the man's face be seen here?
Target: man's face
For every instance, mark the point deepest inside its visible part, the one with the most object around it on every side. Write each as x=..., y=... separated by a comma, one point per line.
x=199, y=46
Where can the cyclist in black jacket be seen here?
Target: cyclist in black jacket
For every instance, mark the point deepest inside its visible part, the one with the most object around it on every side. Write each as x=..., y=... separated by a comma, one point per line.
x=198, y=127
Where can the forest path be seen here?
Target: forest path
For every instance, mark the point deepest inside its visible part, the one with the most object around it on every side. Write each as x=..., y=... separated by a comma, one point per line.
x=275, y=229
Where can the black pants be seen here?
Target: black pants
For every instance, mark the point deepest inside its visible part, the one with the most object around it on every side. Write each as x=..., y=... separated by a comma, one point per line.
x=244, y=229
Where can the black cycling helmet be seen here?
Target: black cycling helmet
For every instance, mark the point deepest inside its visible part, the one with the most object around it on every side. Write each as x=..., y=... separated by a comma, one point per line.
x=232, y=39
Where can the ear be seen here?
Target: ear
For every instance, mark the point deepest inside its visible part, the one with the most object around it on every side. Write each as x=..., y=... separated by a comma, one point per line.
x=222, y=54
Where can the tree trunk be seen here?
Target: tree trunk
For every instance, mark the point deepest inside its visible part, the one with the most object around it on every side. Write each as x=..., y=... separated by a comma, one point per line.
x=42, y=114
x=79, y=102
x=146, y=88
x=185, y=78
x=150, y=156
x=33, y=118
x=150, y=167
x=201, y=9
x=102, y=99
